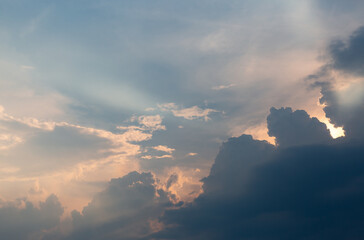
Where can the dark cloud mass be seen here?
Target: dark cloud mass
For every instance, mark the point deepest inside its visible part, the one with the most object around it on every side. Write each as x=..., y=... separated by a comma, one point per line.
x=349, y=56
x=309, y=186
x=347, y=109
x=303, y=192
x=22, y=220
x=296, y=128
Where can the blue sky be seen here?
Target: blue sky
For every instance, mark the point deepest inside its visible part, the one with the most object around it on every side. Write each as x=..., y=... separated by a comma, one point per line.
x=93, y=90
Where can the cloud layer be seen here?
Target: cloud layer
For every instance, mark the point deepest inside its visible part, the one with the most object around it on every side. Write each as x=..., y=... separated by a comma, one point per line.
x=81, y=85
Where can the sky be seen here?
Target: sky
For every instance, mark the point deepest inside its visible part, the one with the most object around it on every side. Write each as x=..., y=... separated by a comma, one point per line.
x=186, y=119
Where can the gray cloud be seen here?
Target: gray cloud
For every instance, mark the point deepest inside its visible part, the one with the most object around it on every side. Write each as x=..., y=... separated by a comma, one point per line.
x=296, y=128
x=256, y=191
x=348, y=56
x=344, y=108
x=308, y=187
x=127, y=208
x=171, y=180
x=22, y=220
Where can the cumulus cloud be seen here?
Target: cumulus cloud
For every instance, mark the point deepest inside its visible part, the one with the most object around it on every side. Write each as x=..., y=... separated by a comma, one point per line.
x=128, y=208
x=296, y=128
x=151, y=122
x=71, y=160
x=20, y=219
x=309, y=186
x=190, y=113
x=258, y=191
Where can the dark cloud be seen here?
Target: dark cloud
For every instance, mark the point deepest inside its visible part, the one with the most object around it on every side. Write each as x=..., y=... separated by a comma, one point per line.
x=22, y=220
x=126, y=208
x=349, y=57
x=256, y=191
x=171, y=180
x=344, y=108
x=349, y=115
x=233, y=163
x=296, y=128
x=308, y=187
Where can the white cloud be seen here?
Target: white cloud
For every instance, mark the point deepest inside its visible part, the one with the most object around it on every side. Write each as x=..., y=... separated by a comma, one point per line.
x=150, y=122
x=157, y=157
x=163, y=149
x=190, y=113
x=191, y=154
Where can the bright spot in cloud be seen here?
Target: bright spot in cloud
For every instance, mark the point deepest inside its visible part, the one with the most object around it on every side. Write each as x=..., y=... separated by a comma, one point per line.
x=335, y=131
x=191, y=154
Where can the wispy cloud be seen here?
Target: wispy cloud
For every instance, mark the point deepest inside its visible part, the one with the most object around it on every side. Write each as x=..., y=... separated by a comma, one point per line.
x=189, y=113
x=220, y=87
x=162, y=148
x=191, y=154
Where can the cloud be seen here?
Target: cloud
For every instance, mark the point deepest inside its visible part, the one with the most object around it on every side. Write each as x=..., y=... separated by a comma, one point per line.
x=191, y=154
x=8, y=141
x=296, y=128
x=163, y=149
x=37, y=147
x=342, y=85
x=157, y=157
x=309, y=186
x=220, y=87
x=151, y=122
x=20, y=219
x=348, y=56
x=175, y=74
x=127, y=208
x=171, y=180
x=190, y=113
x=71, y=160
x=258, y=191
